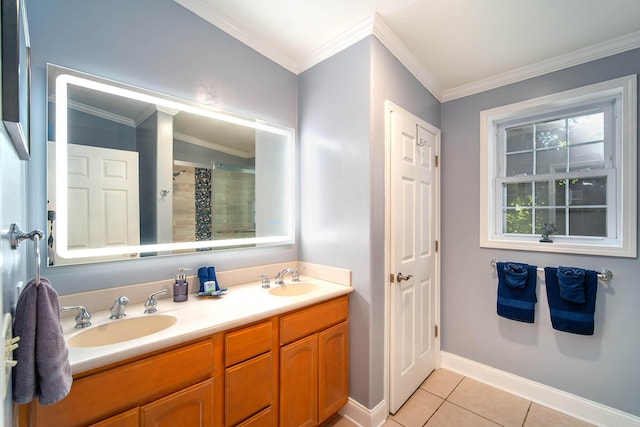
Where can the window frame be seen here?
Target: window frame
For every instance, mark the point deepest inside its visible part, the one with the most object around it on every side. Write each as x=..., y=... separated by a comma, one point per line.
x=622, y=204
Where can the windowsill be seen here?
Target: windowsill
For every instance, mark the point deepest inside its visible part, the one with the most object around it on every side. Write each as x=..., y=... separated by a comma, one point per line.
x=556, y=247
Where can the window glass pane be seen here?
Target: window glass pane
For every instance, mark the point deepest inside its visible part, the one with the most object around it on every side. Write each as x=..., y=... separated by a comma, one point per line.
x=551, y=134
x=518, y=194
x=518, y=164
x=588, y=191
x=520, y=138
x=518, y=221
x=554, y=216
x=550, y=193
x=586, y=156
x=551, y=161
x=588, y=128
x=588, y=222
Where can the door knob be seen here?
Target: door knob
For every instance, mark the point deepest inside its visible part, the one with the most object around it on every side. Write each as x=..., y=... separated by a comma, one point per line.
x=400, y=277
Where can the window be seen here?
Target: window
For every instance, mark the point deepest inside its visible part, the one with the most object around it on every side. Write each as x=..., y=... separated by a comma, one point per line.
x=558, y=173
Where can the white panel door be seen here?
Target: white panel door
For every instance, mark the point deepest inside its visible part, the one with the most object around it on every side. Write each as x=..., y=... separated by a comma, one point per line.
x=413, y=219
x=103, y=199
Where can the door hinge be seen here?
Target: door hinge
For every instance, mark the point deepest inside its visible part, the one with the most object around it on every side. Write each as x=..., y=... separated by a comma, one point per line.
x=392, y=278
x=436, y=161
x=436, y=331
x=437, y=246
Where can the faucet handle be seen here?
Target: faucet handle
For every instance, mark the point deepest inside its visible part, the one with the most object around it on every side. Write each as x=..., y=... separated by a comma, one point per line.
x=150, y=306
x=265, y=281
x=83, y=318
x=296, y=274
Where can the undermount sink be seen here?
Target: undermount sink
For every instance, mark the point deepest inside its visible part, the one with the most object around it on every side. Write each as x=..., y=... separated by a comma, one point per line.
x=121, y=330
x=294, y=289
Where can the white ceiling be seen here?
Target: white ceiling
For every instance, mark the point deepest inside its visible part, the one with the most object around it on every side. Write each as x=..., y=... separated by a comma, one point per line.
x=454, y=47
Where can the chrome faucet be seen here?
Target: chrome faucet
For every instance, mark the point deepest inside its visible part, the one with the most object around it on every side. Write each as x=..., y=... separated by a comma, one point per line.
x=150, y=306
x=83, y=318
x=281, y=274
x=117, y=311
x=295, y=276
x=265, y=281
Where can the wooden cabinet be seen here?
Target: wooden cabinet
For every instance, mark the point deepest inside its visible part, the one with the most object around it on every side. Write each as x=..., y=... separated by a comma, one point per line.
x=191, y=407
x=314, y=368
x=288, y=370
x=250, y=374
x=107, y=395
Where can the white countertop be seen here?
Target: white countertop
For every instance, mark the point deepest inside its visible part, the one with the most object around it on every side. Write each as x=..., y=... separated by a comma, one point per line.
x=198, y=317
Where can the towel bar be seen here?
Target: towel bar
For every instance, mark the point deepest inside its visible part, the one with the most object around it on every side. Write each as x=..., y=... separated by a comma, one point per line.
x=17, y=236
x=604, y=274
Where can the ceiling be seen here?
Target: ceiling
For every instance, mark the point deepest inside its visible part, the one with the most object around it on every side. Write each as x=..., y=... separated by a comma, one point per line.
x=453, y=47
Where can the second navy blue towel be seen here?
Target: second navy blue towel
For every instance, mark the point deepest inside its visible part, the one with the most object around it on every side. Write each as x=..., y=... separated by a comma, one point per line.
x=572, y=302
x=517, y=291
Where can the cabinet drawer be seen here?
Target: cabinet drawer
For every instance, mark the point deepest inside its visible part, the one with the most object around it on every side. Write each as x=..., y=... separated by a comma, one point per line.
x=261, y=419
x=103, y=394
x=248, y=388
x=246, y=343
x=308, y=321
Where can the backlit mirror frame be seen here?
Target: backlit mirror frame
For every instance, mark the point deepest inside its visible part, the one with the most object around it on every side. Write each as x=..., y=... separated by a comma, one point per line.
x=168, y=102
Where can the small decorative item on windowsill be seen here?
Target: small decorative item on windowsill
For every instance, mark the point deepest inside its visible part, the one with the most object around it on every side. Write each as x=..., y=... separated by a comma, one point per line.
x=547, y=230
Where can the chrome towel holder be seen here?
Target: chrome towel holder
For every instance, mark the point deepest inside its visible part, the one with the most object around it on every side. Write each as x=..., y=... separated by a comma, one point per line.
x=16, y=236
x=604, y=274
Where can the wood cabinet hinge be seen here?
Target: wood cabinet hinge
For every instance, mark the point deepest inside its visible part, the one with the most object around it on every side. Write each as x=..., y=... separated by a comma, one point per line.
x=436, y=161
x=437, y=246
x=437, y=331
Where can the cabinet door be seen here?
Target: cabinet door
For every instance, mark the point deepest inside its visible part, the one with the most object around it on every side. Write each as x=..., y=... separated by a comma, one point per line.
x=191, y=407
x=299, y=383
x=333, y=370
x=126, y=419
x=248, y=388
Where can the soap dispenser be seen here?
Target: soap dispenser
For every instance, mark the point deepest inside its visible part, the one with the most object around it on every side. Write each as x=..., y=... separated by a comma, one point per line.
x=181, y=286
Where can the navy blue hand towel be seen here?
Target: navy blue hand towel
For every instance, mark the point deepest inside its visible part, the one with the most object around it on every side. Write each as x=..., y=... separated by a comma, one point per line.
x=203, y=275
x=571, y=283
x=517, y=291
x=567, y=315
x=212, y=276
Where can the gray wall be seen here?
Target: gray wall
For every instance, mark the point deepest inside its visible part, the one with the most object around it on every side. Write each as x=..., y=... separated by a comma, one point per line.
x=603, y=367
x=341, y=103
x=161, y=46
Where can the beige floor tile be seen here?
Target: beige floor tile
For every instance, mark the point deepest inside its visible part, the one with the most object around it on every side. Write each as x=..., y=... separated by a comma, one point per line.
x=541, y=416
x=417, y=410
x=391, y=423
x=338, y=421
x=450, y=415
x=441, y=382
x=489, y=402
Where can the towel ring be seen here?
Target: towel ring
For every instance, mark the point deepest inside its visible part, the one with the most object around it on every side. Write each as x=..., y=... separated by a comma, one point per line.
x=604, y=274
x=16, y=236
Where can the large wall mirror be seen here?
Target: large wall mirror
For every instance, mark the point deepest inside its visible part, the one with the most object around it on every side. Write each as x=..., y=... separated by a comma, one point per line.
x=133, y=173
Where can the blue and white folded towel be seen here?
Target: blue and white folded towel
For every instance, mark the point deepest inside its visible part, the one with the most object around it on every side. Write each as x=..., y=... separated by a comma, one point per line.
x=571, y=293
x=517, y=291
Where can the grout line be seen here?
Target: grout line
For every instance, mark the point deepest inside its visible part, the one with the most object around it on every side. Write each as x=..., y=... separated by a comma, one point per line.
x=527, y=414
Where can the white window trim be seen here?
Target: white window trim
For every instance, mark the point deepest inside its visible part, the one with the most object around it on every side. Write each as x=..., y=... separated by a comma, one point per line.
x=626, y=246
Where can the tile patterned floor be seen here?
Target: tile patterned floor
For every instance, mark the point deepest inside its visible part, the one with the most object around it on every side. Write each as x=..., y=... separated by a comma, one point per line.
x=448, y=399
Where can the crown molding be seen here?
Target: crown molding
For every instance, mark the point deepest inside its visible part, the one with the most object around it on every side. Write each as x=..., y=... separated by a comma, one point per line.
x=389, y=39
x=375, y=26
x=100, y=113
x=213, y=146
x=348, y=38
x=206, y=11
x=581, y=56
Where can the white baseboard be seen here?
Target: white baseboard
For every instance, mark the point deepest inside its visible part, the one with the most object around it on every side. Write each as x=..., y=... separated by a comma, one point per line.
x=559, y=400
x=364, y=417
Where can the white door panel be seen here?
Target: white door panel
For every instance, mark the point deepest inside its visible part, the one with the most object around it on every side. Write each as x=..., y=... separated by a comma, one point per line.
x=413, y=215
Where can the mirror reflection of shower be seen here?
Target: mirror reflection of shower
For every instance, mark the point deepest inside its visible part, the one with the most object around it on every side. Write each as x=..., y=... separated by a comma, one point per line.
x=177, y=174
x=214, y=201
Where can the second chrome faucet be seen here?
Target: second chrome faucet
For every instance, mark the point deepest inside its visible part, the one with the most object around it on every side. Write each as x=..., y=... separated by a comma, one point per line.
x=117, y=311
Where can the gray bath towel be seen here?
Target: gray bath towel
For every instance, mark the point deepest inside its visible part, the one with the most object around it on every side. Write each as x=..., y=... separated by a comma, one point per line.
x=43, y=368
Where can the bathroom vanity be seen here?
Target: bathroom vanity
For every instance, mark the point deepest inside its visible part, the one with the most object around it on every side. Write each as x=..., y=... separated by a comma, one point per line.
x=251, y=358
